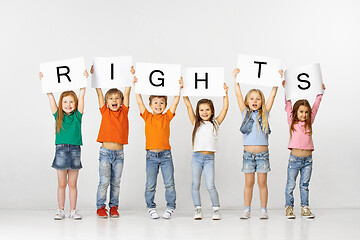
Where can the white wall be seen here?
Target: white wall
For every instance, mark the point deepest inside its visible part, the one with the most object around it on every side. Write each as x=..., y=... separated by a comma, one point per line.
x=194, y=34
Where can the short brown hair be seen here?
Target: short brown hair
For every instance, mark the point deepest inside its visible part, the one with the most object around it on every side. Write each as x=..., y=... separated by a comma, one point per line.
x=153, y=96
x=114, y=91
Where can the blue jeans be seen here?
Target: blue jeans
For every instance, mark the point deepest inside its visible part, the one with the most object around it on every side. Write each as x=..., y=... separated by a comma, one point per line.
x=111, y=164
x=296, y=165
x=154, y=160
x=203, y=162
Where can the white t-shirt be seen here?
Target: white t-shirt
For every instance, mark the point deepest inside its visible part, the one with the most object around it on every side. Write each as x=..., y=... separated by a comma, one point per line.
x=206, y=137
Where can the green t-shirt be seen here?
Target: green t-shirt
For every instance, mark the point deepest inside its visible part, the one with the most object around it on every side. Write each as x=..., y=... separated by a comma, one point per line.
x=70, y=131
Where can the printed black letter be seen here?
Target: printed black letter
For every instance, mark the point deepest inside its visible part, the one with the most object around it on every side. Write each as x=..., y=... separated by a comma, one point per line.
x=301, y=80
x=162, y=79
x=259, y=71
x=198, y=80
x=63, y=74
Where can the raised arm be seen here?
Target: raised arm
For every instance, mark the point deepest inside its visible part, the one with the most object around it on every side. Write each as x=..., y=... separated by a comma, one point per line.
x=127, y=96
x=220, y=118
x=272, y=96
x=98, y=92
x=177, y=98
x=139, y=98
x=190, y=110
x=238, y=93
x=82, y=96
x=271, y=99
x=53, y=105
x=127, y=90
x=316, y=105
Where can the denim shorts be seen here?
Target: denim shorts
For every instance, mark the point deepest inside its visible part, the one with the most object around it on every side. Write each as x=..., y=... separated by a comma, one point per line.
x=67, y=156
x=256, y=162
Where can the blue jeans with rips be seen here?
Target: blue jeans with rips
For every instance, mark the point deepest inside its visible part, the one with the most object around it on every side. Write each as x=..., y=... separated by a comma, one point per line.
x=111, y=164
x=154, y=161
x=296, y=165
x=203, y=163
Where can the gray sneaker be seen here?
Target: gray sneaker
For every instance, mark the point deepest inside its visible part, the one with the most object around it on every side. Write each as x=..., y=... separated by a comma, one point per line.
x=264, y=214
x=216, y=214
x=59, y=215
x=245, y=214
x=153, y=213
x=168, y=213
x=74, y=214
x=198, y=213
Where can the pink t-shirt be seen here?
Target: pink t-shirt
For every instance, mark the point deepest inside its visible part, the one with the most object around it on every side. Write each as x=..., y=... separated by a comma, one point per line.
x=300, y=138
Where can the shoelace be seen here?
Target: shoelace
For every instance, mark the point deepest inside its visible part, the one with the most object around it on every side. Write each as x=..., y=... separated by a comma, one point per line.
x=169, y=211
x=306, y=210
x=291, y=211
x=198, y=211
x=216, y=212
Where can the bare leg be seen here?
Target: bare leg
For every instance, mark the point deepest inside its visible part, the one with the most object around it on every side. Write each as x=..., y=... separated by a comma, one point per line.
x=263, y=189
x=62, y=181
x=248, y=190
x=73, y=176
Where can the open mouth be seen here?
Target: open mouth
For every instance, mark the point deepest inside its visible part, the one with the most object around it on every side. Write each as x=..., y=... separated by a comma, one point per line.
x=114, y=105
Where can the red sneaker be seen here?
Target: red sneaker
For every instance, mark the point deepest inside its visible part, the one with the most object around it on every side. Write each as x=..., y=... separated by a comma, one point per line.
x=114, y=212
x=102, y=212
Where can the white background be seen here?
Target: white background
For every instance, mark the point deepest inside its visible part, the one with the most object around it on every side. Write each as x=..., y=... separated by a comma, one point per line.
x=192, y=33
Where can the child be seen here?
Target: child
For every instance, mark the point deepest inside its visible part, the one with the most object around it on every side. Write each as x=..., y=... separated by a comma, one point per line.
x=204, y=139
x=255, y=128
x=113, y=134
x=158, y=153
x=68, y=141
x=300, y=118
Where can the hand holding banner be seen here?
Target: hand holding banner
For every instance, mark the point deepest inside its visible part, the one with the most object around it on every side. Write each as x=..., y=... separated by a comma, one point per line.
x=158, y=79
x=111, y=72
x=203, y=82
x=257, y=70
x=304, y=82
x=63, y=75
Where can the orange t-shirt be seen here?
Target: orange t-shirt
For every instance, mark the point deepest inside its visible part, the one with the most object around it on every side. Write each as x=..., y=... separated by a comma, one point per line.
x=114, y=125
x=157, y=129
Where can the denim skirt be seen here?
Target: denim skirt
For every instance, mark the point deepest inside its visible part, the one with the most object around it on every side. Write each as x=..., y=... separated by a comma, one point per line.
x=67, y=156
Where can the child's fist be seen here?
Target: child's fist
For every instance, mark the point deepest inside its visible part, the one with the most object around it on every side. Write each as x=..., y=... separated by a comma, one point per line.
x=235, y=72
x=132, y=70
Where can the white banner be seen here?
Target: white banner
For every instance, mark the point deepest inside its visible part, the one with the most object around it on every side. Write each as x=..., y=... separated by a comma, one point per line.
x=63, y=75
x=304, y=82
x=158, y=79
x=203, y=82
x=111, y=72
x=257, y=70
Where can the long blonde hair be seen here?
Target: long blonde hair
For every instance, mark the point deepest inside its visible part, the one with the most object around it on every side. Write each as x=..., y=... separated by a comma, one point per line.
x=262, y=110
x=60, y=115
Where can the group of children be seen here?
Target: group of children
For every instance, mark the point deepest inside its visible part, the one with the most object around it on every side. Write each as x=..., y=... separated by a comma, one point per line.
x=114, y=130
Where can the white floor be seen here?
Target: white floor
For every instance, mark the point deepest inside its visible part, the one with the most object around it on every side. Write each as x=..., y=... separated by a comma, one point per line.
x=340, y=224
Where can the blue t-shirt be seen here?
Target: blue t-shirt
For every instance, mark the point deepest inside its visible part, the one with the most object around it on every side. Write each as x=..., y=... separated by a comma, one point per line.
x=256, y=136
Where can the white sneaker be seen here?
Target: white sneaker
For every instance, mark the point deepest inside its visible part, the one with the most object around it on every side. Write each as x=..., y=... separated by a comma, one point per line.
x=74, y=214
x=263, y=214
x=245, y=214
x=198, y=213
x=167, y=214
x=59, y=215
x=216, y=214
x=153, y=213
